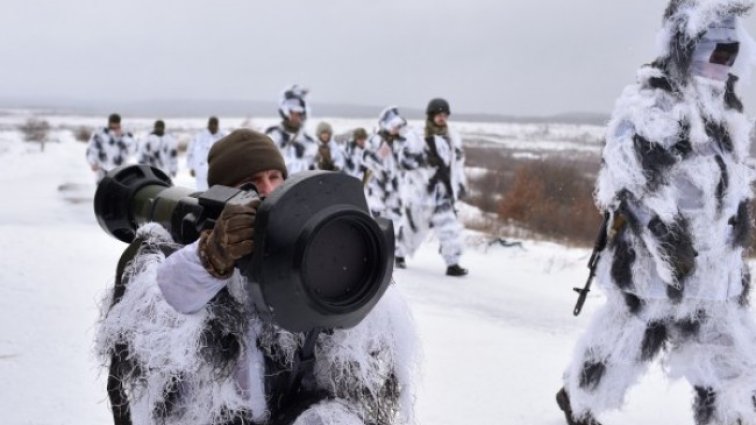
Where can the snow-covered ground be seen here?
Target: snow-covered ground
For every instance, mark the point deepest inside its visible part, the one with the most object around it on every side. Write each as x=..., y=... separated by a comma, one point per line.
x=494, y=343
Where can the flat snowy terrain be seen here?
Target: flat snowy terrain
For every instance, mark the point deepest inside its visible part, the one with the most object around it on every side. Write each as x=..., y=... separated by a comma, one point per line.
x=494, y=342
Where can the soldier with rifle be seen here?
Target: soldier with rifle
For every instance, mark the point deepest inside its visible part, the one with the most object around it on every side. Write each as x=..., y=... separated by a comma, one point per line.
x=432, y=203
x=675, y=186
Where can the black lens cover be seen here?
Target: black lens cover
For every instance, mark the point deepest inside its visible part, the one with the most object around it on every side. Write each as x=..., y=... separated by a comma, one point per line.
x=320, y=259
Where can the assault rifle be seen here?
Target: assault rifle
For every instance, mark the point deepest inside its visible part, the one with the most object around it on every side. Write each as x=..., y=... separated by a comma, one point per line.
x=598, y=248
x=443, y=171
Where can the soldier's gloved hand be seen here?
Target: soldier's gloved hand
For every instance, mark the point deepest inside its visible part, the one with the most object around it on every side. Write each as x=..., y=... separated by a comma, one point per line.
x=192, y=173
x=229, y=240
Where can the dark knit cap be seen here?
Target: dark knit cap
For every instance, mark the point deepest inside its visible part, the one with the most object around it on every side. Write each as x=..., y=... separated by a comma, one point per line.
x=114, y=119
x=240, y=155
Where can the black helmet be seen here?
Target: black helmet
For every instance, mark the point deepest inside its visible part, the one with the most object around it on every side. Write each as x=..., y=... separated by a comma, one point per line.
x=437, y=106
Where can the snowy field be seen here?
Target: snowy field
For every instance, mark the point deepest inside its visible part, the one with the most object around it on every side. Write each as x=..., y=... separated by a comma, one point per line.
x=494, y=343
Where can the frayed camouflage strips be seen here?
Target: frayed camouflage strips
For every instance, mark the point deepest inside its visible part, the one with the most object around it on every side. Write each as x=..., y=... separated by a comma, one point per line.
x=703, y=405
x=591, y=375
x=654, y=340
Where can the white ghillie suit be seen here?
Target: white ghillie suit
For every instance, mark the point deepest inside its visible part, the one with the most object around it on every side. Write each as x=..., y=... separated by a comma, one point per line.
x=430, y=201
x=196, y=155
x=221, y=364
x=106, y=150
x=674, y=275
x=159, y=151
x=388, y=157
x=297, y=147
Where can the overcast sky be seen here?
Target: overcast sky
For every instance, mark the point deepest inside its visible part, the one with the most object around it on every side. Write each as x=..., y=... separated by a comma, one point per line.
x=519, y=57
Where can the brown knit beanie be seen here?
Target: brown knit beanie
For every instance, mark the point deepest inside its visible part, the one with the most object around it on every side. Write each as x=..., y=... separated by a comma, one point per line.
x=240, y=155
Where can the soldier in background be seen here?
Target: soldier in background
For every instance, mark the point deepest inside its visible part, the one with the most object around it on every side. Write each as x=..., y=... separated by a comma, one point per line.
x=159, y=150
x=109, y=147
x=391, y=151
x=296, y=146
x=443, y=185
x=330, y=157
x=196, y=157
x=354, y=151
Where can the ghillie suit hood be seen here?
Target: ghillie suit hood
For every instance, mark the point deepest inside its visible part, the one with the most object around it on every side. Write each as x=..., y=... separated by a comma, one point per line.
x=686, y=22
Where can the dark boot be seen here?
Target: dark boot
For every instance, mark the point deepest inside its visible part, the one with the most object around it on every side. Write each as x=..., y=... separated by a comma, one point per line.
x=563, y=400
x=455, y=270
x=400, y=263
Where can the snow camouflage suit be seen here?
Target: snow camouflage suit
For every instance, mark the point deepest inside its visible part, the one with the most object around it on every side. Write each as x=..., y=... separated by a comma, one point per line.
x=353, y=159
x=108, y=151
x=675, y=181
x=224, y=365
x=431, y=198
x=196, y=155
x=160, y=152
x=297, y=147
x=388, y=158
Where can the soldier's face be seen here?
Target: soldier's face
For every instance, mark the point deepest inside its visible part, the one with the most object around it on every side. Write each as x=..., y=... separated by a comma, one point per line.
x=441, y=119
x=265, y=181
x=295, y=118
x=115, y=127
x=324, y=137
x=360, y=142
x=212, y=127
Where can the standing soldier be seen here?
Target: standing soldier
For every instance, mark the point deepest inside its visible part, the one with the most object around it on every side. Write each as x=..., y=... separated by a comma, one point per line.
x=196, y=157
x=675, y=186
x=391, y=151
x=330, y=157
x=159, y=150
x=442, y=184
x=296, y=146
x=109, y=147
x=354, y=152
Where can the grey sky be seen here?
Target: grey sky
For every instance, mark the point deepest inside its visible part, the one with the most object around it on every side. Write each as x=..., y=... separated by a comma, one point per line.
x=518, y=57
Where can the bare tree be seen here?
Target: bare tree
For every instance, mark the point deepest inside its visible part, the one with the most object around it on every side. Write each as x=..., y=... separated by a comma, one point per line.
x=35, y=130
x=83, y=133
